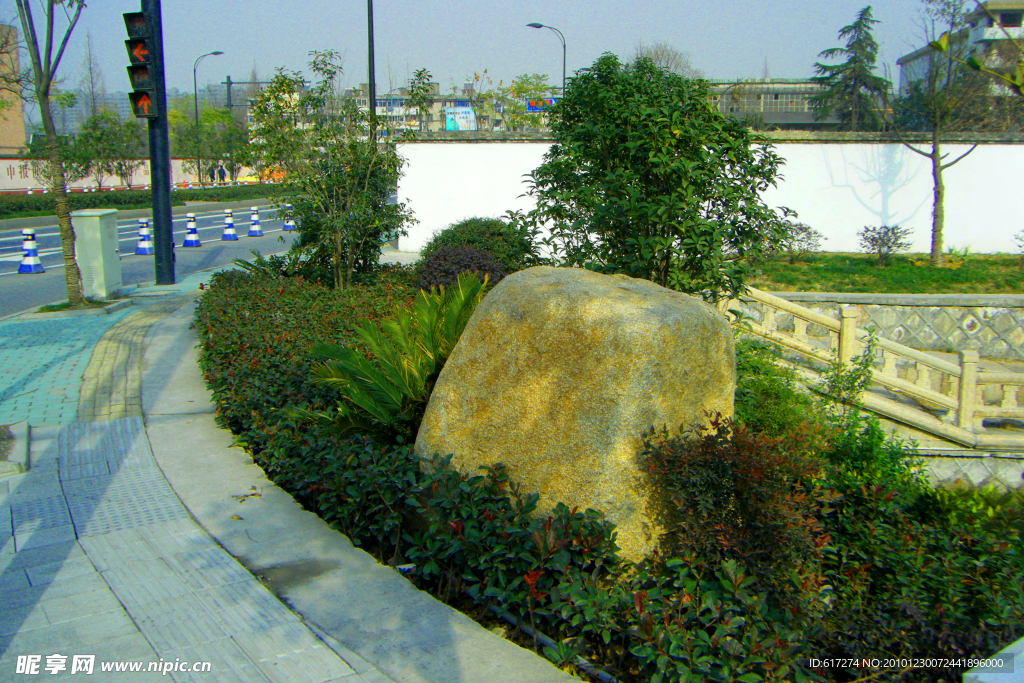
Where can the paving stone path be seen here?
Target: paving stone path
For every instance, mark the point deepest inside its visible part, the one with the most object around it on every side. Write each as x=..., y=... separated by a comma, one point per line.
x=41, y=366
x=102, y=559
x=112, y=382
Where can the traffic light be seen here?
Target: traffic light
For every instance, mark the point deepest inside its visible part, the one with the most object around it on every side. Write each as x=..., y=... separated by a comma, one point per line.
x=140, y=56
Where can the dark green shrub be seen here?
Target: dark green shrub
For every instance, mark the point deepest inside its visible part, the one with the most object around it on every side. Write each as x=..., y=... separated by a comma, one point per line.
x=768, y=400
x=700, y=623
x=38, y=204
x=861, y=452
x=443, y=267
x=646, y=180
x=485, y=538
x=255, y=339
x=918, y=589
x=493, y=235
x=728, y=494
x=384, y=389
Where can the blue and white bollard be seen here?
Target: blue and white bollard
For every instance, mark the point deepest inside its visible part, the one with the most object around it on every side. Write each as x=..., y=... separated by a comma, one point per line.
x=289, y=222
x=254, y=228
x=191, y=234
x=145, y=246
x=229, y=227
x=30, y=262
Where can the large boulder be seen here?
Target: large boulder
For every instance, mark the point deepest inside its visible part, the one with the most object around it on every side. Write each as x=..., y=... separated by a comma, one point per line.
x=559, y=373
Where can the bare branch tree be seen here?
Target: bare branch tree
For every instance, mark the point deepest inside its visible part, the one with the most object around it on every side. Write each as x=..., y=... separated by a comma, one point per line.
x=945, y=100
x=91, y=82
x=44, y=58
x=13, y=79
x=667, y=57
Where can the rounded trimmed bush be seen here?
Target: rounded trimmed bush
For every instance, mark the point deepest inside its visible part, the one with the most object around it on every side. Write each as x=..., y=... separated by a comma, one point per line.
x=444, y=265
x=485, y=234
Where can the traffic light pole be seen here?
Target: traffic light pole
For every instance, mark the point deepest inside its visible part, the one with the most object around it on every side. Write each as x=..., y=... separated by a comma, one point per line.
x=160, y=156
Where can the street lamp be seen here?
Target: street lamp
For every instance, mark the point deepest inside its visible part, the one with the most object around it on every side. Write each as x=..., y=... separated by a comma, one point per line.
x=195, y=95
x=561, y=38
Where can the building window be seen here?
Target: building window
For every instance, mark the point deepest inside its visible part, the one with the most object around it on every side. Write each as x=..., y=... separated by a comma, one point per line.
x=1010, y=19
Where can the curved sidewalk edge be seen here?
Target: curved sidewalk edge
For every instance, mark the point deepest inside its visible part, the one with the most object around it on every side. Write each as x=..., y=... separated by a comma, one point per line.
x=341, y=591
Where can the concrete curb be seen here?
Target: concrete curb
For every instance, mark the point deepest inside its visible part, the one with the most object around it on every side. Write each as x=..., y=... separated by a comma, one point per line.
x=370, y=609
x=18, y=459
x=114, y=307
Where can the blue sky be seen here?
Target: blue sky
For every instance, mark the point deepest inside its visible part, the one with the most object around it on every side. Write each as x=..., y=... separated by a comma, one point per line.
x=727, y=39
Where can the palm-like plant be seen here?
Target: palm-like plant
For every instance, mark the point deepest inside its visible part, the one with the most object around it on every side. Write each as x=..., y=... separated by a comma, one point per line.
x=387, y=394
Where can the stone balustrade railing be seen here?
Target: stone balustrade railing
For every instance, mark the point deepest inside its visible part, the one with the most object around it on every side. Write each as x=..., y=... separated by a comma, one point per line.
x=955, y=398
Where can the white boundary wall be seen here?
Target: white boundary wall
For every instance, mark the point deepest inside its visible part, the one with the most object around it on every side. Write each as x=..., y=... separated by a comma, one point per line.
x=836, y=188
x=17, y=174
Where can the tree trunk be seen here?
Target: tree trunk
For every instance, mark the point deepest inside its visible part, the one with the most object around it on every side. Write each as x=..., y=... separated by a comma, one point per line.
x=938, y=198
x=72, y=276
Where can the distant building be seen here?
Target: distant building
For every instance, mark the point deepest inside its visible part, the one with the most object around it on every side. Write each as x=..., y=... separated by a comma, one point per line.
x=988, y=40
x=12, y=121
x=69, y=120
x=779, y=103
x=446, y=112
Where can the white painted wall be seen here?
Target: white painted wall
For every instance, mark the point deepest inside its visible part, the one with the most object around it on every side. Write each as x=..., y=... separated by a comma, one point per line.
x=446, y=182
x=835, y=188
x=17, y=174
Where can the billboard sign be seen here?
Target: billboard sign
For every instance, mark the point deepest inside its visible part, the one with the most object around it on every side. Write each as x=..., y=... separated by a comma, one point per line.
x=459, y=118
x=540, y=105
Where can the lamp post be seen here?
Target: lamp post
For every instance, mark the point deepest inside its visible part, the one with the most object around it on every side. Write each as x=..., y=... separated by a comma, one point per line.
x=195, y=94
x=371, y=74
x=561, y=38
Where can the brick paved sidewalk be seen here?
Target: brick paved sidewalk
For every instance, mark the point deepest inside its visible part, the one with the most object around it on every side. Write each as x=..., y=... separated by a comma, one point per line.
x=104, y=560
x=97, y=554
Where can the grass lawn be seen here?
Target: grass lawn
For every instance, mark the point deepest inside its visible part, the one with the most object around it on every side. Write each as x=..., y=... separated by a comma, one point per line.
x=66, y=306
x=905, y=274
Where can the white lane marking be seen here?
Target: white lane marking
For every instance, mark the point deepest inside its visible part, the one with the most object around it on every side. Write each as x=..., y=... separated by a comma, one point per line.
x=16, y=251
x=127, y=223
x=61, y=265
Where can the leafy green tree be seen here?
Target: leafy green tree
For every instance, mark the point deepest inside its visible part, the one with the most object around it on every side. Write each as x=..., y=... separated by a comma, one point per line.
x=420, y=93
x=212, y=140
x=340, y=172
x=44, y=63
x=480, y=95
x=511, y=100
x=275, y=117
x=648, y=179
x=74, y=158
x=851, y=89
x=114, y=146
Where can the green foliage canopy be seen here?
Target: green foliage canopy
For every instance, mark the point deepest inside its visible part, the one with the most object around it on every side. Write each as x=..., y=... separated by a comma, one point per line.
x=851, y=89
x=339, y=171
x=115, y=147
x=648, y=179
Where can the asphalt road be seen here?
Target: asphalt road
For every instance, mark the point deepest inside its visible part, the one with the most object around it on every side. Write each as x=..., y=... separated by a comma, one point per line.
x=21, y=292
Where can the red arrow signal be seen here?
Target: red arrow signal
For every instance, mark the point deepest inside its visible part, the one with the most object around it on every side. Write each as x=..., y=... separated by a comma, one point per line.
x=143, y=106
x=138, y=51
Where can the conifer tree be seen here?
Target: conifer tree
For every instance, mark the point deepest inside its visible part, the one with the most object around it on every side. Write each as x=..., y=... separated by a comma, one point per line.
x=851, y=89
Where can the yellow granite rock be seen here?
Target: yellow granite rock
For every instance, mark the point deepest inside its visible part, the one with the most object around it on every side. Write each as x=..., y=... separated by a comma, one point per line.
x=559, y=373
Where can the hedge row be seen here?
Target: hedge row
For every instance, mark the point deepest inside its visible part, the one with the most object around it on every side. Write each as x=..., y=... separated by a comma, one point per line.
x=38, y=204
x=256, y=332
x=779, y=549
